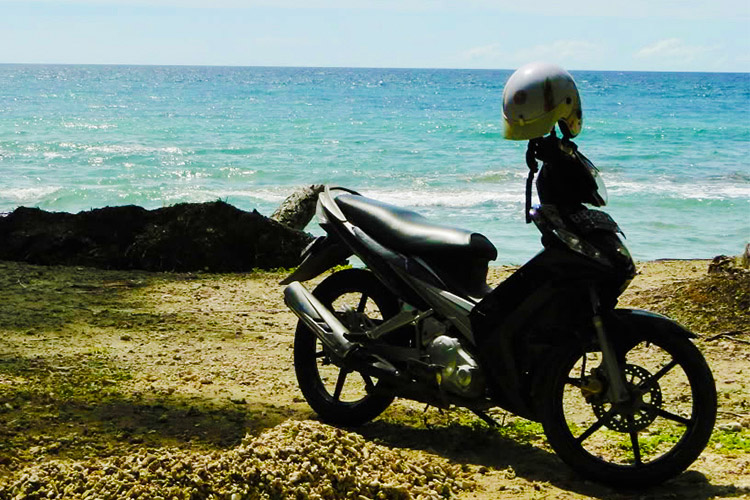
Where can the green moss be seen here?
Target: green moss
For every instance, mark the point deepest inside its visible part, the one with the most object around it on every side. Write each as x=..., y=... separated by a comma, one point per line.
x=731, y=442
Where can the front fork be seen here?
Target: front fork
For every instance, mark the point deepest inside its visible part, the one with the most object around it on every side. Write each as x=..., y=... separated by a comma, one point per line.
x=616, y=389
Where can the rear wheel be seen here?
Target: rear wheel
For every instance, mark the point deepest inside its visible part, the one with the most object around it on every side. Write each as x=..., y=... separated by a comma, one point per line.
x=654, y=435
x=337, y=395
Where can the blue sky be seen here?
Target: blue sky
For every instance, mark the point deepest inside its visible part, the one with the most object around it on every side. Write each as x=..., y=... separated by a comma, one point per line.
x=651, y=35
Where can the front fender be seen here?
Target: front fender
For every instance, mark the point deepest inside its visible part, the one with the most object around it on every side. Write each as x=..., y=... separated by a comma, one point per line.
x=630, y=321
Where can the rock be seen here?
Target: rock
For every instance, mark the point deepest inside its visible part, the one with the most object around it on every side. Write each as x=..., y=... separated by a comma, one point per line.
x=732, y=265
x=723, y=264
x=730, y=427
x=720, y=264
x=297, y=209
x=183, y=237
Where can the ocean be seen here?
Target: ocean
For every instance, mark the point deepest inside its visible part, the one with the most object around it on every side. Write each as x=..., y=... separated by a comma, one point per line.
x=673, y=148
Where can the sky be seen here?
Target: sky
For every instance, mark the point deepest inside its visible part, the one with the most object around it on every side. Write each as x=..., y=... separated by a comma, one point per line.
x=631, y=35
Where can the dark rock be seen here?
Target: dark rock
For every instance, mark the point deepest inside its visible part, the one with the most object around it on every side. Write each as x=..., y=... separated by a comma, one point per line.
x=185, y=237
x=297, y=209
x=729, y=265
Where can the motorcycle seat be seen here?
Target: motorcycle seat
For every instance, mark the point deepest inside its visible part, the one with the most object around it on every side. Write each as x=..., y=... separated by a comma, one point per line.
x=410, y=232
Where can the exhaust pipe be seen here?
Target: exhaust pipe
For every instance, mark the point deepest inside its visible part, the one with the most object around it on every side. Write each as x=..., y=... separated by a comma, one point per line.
x=327, y=327
x=318, y=318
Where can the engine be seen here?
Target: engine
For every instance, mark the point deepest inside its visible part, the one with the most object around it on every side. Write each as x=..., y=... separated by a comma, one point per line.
x=459, y=373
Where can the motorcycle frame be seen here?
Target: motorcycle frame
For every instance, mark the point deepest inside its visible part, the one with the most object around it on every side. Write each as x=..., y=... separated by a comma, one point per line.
x=557, y=297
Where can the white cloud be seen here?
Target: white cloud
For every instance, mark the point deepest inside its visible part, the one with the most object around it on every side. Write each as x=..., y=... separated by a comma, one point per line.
x=677, y=51
x=484, y=52
x=669, y=47
x=577, y=54
x=566, y=52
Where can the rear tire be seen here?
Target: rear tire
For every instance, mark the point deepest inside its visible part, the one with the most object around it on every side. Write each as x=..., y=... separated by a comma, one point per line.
x=673, y=396
x=337, y=396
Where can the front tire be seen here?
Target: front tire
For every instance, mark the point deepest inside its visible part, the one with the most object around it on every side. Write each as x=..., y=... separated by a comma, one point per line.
x=657, y=434
x=338, y=396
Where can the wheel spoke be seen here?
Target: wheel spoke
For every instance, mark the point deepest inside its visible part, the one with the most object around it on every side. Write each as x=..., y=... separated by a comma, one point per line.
x=595, y=427
x=340, y=384
x=670, y=416
x=362, y=303
x=648, y=383
x=320, y=354
x=634, y=443
x=575, y=382
x=369, y=384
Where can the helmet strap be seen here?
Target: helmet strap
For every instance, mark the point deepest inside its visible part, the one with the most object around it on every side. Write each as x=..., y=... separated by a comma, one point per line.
x=531, y=152
x=564, y=130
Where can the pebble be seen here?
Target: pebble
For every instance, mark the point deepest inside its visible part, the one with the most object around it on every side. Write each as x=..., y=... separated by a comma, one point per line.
x=296, y=459
x=730, y=427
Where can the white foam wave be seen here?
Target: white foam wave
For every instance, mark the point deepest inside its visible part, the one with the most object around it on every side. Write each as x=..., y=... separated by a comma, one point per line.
x=409, y=197
x=458, y=198
x=496, y=176
x=696, y=191
x=122, y=149
x=119, y=149
x=89, y=126
x=27, y=195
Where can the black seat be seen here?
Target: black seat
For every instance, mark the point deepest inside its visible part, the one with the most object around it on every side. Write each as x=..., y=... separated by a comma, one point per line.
x=461, y=256
x=407, y=231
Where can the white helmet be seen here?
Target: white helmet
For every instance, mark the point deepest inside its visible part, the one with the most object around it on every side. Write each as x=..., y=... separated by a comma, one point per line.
x=536, y=97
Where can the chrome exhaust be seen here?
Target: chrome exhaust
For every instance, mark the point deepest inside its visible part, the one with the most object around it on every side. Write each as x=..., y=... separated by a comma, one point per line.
x=318, y=318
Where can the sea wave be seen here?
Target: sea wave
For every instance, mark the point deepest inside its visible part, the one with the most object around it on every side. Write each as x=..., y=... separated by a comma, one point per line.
x=89, y=126
x=118, y=149
x=27, y=194
x=496, y=176
x=686, y=191
x=133, y=149
x=458, y=198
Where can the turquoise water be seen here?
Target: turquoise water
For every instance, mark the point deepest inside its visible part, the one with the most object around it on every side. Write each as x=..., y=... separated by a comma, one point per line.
x=673, y=147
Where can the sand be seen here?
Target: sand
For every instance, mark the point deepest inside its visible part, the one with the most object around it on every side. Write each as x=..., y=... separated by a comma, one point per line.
x=98, y=367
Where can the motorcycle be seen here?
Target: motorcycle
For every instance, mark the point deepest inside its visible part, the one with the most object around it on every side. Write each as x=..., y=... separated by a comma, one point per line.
x=623, y=395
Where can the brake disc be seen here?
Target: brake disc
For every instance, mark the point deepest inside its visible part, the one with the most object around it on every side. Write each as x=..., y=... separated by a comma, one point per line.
x=642, y=408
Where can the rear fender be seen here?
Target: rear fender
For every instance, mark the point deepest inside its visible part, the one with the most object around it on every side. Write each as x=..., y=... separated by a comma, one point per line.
x=321, y=255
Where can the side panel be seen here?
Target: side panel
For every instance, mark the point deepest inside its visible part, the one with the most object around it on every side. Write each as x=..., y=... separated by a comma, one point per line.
x=323, y=254
x=527, y=317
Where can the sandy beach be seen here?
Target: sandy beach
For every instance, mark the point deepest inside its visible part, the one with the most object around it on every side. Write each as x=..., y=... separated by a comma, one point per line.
x=100, y=370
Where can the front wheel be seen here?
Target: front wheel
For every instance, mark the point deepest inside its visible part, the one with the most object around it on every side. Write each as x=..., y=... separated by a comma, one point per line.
x=654, y=435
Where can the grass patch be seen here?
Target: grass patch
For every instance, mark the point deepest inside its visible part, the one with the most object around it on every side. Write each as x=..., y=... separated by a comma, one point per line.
x=77, y=408
x=730, y=442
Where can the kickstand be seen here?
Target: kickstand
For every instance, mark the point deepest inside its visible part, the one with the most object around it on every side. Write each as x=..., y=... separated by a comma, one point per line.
x=489, y=420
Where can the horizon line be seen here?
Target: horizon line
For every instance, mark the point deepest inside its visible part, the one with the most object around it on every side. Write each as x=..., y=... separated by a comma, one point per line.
x=176, y=65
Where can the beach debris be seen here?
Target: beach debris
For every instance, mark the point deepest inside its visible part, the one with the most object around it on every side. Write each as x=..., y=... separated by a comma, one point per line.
x=728, y=264
x=729, y=336
x=296, y=459
x=297, y=210
x=214, y=236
